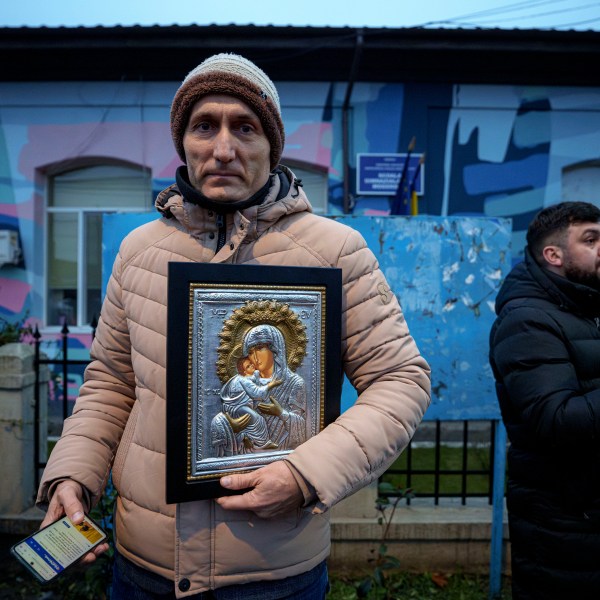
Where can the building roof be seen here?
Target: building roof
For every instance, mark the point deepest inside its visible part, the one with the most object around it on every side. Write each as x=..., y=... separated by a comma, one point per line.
x=167, y=53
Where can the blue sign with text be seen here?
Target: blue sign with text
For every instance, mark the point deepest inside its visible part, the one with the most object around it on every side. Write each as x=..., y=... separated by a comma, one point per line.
x=379, y=174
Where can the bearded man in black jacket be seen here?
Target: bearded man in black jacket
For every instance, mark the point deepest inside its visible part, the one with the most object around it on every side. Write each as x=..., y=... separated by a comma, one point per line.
x=545, y=355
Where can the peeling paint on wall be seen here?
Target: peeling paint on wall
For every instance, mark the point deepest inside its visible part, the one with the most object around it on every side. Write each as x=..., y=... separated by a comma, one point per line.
x=446, y=273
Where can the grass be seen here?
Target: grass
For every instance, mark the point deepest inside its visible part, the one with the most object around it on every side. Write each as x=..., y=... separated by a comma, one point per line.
x=451, y=459
x=424, y=586
x=90, y=584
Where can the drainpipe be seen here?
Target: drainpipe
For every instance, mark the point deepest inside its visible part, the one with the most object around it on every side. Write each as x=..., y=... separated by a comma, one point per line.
x=346, y=119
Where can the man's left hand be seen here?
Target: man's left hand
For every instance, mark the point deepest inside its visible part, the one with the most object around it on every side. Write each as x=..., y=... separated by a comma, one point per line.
x=274, y=491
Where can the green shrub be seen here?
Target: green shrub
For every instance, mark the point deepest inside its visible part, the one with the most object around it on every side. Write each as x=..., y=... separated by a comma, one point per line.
x=14, y=331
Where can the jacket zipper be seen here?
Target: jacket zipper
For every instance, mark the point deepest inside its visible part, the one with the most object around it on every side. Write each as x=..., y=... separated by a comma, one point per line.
x=221, y=233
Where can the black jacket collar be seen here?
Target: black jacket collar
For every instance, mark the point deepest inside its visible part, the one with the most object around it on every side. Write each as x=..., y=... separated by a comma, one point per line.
x=193, y=196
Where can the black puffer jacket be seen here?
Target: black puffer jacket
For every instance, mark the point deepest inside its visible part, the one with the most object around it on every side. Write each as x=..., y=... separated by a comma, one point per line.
x=545, y=354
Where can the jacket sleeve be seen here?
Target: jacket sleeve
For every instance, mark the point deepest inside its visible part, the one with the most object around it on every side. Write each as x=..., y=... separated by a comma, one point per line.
x=383, y=363
x=90, y=436
x=538, y=384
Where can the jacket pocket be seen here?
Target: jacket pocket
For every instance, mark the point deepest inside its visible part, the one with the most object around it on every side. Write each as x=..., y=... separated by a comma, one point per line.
x=124, y=444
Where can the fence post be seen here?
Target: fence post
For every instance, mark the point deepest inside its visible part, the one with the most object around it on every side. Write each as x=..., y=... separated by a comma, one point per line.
x=497, y=511
x=18, y=428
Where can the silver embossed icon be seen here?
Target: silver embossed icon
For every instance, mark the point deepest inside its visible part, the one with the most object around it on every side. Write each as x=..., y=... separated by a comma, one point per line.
x=257, y=361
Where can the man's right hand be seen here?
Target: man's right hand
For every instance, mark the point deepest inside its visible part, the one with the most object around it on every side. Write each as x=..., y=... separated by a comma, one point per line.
x=66, y=500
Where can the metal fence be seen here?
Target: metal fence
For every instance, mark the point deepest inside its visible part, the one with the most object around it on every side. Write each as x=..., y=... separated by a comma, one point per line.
x=445, y=460
x=60, y=365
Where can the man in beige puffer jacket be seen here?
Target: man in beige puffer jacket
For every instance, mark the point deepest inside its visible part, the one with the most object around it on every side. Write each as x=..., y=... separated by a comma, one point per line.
x=232, y=203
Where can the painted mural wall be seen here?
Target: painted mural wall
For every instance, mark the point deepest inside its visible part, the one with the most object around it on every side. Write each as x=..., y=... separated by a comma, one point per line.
x=445, y=272
x=493, y=151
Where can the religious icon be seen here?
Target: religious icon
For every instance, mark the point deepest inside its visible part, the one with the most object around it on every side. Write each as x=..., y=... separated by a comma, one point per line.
x=264, y=402
x=262, y=369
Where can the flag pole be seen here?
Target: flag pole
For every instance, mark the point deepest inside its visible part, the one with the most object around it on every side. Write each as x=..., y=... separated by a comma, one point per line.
x=414, y=200
x=400, y=197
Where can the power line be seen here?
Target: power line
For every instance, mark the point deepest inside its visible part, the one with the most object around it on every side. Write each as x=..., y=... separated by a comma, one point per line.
x=515, y=6
x=547, y=13
x=473, y=19
x=595, y=20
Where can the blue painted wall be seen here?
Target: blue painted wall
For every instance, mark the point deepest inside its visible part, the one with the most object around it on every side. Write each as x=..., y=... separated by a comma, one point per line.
x=446, y=273
x=500, y=151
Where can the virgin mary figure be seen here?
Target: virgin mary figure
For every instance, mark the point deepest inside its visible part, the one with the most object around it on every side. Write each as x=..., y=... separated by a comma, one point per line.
x=285, y=408
x=285, y=413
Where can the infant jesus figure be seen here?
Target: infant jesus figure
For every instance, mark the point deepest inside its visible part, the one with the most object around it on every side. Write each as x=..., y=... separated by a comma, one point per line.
x=240, y=396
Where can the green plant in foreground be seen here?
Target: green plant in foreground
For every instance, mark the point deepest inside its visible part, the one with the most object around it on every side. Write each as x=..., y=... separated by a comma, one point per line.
x=377, y=582
x=14, y=331
x=401, y=585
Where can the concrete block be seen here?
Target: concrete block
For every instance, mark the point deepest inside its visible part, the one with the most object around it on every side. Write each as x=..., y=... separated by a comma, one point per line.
x=17, y=426
x=424, y=539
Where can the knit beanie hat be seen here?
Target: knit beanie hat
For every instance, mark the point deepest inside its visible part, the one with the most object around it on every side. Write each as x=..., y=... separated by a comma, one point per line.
x=232, y=75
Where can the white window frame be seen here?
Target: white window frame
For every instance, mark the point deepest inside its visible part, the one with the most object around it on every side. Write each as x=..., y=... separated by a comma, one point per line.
x=81, y=212
x=320, y=207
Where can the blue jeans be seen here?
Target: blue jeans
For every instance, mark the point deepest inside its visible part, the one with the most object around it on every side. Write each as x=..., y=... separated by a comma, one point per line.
x=131, y=582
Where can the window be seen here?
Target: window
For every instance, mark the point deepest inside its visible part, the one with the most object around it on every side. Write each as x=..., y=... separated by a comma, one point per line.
x=314, y=182
x=581, y=181
x=76, y=201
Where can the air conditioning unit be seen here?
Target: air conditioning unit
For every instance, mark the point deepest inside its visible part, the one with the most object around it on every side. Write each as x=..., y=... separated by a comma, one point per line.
x=10, y=252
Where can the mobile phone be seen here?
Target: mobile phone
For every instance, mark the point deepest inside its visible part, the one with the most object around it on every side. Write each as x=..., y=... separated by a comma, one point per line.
x=49, y=551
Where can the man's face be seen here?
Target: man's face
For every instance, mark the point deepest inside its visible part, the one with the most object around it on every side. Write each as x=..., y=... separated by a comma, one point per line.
x=581, y=254
x=226, y=149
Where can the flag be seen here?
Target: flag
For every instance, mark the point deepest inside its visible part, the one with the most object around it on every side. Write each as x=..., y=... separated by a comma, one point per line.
x=400, y=202
x=414, y=200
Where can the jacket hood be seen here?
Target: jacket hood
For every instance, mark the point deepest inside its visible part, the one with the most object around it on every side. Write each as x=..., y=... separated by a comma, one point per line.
x=285, y=196
x=529, y=280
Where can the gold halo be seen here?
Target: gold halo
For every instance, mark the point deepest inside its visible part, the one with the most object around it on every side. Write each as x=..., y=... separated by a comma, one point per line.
x=259, y=312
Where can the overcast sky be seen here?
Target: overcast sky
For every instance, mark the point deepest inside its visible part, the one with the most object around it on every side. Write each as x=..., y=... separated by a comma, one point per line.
x=539, y=14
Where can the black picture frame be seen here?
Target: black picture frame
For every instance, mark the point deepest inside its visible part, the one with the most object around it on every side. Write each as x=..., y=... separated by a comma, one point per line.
x=220, y=318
